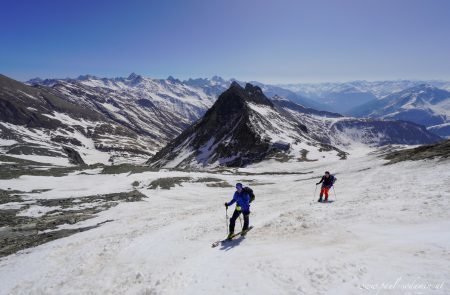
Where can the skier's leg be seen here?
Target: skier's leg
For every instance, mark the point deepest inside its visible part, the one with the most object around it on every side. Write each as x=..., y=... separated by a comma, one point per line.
x=246, y=220
x=326, y=193
x=233, y=220
x=321, y=194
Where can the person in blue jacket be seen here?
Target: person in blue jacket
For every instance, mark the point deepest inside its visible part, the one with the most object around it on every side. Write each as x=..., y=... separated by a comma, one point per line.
x=242, y=200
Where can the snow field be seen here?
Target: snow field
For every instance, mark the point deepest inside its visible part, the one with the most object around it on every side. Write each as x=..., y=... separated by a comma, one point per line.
x=388, y=222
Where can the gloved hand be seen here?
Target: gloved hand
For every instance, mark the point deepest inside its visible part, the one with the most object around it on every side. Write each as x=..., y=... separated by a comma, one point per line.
x=226, y=205
x=318, y=183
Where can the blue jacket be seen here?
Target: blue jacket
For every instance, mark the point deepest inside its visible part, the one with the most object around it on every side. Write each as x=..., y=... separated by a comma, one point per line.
x=242, y=200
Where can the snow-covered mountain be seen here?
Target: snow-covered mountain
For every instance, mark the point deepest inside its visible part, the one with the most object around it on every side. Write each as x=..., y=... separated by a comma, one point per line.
x=244, y=126
x=118, y=120
x=127, y=119
x=379, y=89
x=343, y=97
x=423, y=104
x=130, y=118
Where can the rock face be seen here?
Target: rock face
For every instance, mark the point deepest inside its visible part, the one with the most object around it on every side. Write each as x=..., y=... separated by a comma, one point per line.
x=244, y=127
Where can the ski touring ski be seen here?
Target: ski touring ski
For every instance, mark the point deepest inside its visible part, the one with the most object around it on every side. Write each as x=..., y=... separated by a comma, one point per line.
x=217, y=243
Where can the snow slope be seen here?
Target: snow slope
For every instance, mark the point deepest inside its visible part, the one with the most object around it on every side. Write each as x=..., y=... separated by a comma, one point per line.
x=387, y=224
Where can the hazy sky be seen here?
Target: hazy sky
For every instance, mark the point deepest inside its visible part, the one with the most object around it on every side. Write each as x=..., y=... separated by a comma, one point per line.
x=269, y=41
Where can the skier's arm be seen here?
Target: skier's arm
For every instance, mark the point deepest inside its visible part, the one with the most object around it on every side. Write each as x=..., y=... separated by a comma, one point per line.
x=321, y=180
x=247, y=198
x=232, y=201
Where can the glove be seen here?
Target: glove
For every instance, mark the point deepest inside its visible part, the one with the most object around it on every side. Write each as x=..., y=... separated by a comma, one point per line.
x=318, y=183
x=226, y=205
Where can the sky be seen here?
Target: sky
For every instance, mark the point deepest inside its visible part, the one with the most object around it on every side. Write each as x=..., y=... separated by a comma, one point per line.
x=279, y=41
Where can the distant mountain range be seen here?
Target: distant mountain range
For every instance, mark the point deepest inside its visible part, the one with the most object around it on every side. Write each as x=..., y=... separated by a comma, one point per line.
x=130, y=119
x=422, y=104
x=344, y=97
x=340, y=97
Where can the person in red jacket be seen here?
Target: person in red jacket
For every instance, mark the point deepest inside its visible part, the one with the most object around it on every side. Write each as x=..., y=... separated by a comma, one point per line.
x=327, y=182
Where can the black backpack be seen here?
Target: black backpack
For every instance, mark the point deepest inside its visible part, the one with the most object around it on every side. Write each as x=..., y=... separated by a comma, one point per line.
x=334, y=179
x=250, y=192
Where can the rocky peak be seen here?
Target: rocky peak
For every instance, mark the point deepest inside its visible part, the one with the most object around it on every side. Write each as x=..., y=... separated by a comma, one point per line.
x=132, y=76
x=239, y=95
x=173, y=80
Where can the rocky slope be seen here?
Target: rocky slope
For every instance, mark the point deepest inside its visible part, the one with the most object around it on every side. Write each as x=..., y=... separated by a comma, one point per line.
x=439, y=150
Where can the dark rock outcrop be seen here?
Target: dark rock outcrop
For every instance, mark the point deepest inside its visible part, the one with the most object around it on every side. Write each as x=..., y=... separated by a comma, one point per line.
x=439, y=150
x=74, y=156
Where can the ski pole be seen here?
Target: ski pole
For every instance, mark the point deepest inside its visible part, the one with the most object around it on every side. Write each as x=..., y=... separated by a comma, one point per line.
x=314, y=196
x=335, y=196
x=240, y=221
x=226, y=218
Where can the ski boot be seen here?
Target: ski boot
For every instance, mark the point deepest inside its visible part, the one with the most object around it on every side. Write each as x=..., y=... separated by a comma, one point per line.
x=230, y=236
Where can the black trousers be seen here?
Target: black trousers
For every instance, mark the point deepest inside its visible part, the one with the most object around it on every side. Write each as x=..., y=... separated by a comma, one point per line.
x=235, y=216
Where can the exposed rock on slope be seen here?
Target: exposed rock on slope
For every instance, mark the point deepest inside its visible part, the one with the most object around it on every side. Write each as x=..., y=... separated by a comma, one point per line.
x=438, y=150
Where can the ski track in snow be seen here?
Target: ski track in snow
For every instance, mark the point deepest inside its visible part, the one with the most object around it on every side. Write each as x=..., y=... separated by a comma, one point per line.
x=388, y=222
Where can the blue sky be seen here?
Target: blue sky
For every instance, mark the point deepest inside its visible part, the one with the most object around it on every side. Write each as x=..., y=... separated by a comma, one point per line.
x=270, y=41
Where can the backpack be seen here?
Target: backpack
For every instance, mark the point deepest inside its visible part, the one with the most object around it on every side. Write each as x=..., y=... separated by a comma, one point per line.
x=249, y=191
x=334, y=179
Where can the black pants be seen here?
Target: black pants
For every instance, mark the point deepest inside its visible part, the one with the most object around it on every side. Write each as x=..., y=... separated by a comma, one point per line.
x=235, y=216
